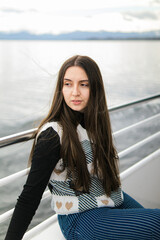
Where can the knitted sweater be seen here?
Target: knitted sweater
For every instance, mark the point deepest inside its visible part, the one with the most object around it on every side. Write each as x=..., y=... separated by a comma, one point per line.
x=66, y=200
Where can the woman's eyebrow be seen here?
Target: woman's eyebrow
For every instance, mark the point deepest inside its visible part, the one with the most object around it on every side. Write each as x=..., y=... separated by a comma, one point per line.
x=67, y=79
x=85, y=80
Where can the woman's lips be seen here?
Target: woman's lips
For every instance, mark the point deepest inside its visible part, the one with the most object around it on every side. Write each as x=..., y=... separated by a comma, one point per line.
x=76, y=102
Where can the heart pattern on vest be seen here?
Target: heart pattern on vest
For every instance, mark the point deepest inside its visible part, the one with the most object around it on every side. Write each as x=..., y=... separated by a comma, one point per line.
x=58, y=204
x=105, y=202
x=56, y=171
x=69, y=205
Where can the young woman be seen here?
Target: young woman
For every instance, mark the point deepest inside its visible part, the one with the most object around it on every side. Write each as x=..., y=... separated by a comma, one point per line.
x=73, y=153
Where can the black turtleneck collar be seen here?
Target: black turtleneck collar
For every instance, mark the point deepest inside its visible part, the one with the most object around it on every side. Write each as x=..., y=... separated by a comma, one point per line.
x=80, y=118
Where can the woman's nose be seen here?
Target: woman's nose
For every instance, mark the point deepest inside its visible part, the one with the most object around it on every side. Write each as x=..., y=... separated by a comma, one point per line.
x=75, y=91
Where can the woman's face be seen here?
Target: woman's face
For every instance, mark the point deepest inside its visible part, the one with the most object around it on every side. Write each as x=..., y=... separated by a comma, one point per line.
x=76, y=89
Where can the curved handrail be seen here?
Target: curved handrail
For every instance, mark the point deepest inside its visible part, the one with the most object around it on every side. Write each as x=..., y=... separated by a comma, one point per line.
x=6, y=180
x=138, y=145
x=40, y=227
x=17, y=138
x=28, y=134
x=8, y=214
x=138, y=124
x=141, y=100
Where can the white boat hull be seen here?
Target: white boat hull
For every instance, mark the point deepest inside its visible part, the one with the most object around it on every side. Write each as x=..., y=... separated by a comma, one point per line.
x=142, y=180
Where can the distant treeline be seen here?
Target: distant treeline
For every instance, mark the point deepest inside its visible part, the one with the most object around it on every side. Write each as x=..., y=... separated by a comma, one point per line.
x=80, y=35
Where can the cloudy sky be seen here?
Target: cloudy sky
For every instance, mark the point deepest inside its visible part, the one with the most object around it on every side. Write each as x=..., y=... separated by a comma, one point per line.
x=50, y=16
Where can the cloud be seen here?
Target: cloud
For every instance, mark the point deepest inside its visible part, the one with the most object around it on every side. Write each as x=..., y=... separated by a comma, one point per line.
x=140, y=15
x=122, y=15
x=17, y=11
x=155, y=1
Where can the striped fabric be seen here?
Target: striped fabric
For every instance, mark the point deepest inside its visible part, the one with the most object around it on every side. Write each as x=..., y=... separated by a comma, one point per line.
x=129, y=221
x=88, y=151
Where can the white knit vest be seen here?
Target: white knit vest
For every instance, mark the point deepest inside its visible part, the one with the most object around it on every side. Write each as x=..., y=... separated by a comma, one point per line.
x=64, y=198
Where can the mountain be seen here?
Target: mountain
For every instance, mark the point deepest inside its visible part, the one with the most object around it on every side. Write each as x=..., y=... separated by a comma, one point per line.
x=80, y=35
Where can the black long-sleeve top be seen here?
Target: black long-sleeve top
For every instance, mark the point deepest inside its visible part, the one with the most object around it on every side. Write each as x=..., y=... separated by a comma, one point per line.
x=45, y=156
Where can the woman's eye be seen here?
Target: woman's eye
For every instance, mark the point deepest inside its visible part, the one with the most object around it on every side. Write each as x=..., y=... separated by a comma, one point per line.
x=67, y=84
x=84, y=84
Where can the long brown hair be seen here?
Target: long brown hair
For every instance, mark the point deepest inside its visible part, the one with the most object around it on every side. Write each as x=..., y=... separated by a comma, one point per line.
x=97, y=124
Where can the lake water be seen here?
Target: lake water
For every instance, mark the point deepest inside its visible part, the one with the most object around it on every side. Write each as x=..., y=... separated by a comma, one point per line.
x=28, y=71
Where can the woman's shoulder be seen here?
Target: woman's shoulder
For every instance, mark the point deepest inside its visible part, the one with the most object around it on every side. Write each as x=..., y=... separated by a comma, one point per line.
x=49, y=129
x=48, y=125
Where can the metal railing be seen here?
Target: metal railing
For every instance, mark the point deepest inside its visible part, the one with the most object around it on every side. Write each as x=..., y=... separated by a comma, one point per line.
x=17, y=138
x=141, y=100
x=27, y=135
